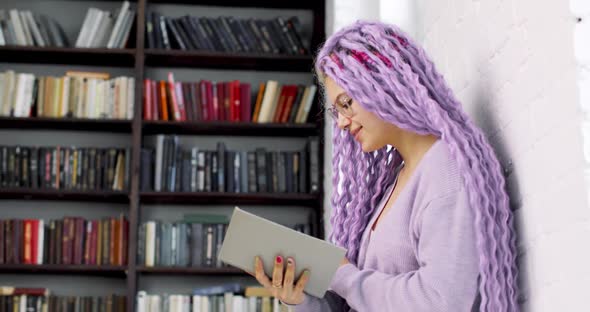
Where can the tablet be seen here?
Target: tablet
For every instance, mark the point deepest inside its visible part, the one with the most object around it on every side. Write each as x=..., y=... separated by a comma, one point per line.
x=249, y=235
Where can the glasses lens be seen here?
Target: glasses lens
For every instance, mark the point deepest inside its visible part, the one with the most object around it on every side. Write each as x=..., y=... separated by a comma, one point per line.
x=333, y=113
x=343, y=105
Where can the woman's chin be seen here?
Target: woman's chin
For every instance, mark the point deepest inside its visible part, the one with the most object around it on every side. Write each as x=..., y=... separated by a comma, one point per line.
x=367, y=148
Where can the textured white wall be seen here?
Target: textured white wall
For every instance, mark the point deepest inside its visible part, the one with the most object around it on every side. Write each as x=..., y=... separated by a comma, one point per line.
x=521, y=69
x=512, y=65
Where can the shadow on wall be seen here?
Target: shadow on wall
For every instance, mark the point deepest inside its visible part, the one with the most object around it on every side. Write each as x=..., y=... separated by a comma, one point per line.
x=485, y=118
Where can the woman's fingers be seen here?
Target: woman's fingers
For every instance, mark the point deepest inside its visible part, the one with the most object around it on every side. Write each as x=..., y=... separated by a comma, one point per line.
x=281, y=284
x=259, y=273
x=289, y=277
x=277, y=274
x=301, y=283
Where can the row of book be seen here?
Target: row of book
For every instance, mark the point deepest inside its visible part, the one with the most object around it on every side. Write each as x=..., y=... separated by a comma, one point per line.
x=283, y=103
x=222, y=298
x=65, y=168
x=19, y=299
x=206, y=100
x=77, y=94
x=24, y=28
x=71, y=240
x=226, y=34
x=180, y=244
x=106, y=29
x=174, y=168
x=194, y=241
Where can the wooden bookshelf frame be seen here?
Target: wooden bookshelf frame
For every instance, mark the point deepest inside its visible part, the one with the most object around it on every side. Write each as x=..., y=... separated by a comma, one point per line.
x=139, y=58
x=189, y=270
x=65, y=195
x=98, y=270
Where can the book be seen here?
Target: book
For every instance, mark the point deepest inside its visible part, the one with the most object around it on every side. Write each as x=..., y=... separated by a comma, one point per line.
x=218, y=289
x=78, y=94
x=86, y=74
x=249, y=236
x=279, y=35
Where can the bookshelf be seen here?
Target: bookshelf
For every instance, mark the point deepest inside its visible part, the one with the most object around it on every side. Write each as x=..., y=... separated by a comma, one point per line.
x=230, y=128
x=140, y=60
x=48, y=194
x=175, y=58
x=102, y=270
x=69, y=56
x=46, y=123
x=229, y=198
x=183, y=271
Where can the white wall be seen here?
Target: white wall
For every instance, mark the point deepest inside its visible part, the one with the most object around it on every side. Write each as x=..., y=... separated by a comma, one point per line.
x=512, y=65
x=521, y=68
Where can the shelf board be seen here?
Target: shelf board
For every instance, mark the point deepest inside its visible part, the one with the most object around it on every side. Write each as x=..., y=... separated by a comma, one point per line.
x=69, y=195
x=306, y=4
x=68, y=56
x=113, y=271
x=230, y=128
x=192, y=198
x=222, y=60
x=100, y=125
x=190, y=271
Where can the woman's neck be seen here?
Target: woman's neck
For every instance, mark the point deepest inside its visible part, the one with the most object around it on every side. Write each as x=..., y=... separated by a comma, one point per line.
x=412, y=148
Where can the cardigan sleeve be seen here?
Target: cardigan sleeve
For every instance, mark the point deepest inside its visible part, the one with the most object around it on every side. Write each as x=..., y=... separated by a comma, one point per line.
x=330, y=302
x=446, y=279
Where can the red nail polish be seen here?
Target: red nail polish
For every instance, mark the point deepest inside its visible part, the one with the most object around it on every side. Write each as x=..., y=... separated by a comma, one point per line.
x=279, y=259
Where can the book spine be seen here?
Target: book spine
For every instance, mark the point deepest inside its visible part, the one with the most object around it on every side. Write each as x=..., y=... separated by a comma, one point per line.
x=150, y=31
x=261, y=175
x=282, y=172
x=186, y=171
x=209, y=246
x=244, y=171
x=175, y=34
x=196, y=244
x=221, y=156
x=201, y=33
x=219, y=235
x=245, y=102
x=252, y=177
x=208, y=172
x=141, y=241
x=2, y=242
x=147, y=111
x=163, y=28
x=158, y=44
x=229, y=167
x=190, y=44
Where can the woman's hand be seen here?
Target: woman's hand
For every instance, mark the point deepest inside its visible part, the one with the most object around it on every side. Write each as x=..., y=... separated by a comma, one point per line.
x=282, y=285
x=344, y=262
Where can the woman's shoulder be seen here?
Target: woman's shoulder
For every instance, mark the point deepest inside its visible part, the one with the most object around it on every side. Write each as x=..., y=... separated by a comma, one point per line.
x=439, y=183
x=439, y=174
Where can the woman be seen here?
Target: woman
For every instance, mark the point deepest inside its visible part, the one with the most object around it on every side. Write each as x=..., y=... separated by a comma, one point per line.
x=426, y=223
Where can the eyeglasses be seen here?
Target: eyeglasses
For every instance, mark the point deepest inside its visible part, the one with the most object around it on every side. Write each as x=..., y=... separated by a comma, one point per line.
x=342, y=105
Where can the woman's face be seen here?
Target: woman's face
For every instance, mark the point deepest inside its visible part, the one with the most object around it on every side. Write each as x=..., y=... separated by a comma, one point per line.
x=370, y=131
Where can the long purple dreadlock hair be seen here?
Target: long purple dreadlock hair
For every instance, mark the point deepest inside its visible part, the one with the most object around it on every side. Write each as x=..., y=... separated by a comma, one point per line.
x=379, y=66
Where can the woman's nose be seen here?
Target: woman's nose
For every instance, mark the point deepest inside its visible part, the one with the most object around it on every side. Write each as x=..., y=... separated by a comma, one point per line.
x=343, y=121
